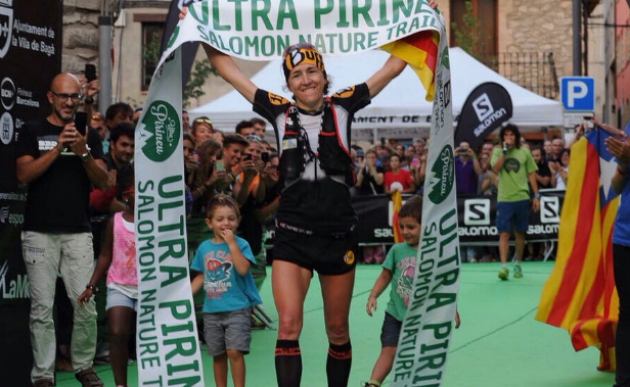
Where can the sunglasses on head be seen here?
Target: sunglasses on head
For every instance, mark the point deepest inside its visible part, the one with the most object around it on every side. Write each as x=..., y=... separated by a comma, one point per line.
x=202, y=121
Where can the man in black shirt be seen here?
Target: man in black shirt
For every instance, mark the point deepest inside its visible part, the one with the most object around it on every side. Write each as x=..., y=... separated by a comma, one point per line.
x=60, y=164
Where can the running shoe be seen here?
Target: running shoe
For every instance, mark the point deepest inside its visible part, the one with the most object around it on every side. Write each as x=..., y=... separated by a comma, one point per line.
x=504, y=273
x=518, y=272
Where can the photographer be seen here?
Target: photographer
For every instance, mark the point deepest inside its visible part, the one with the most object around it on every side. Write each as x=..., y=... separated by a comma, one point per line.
x=467, y=169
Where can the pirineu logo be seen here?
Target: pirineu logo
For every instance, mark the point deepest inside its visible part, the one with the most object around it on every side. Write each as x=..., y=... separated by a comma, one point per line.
x=163, y=126
x=443, y=173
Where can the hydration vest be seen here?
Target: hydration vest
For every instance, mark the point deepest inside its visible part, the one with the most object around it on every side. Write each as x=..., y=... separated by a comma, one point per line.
x=333, y=157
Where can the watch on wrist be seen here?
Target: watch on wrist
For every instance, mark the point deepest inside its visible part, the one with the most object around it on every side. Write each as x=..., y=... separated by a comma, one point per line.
x=85, y=157
x=93, y=288
x=89, y=100
x=537, y=195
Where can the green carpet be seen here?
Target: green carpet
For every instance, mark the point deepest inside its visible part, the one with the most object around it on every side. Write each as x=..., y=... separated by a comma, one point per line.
x=498, y=345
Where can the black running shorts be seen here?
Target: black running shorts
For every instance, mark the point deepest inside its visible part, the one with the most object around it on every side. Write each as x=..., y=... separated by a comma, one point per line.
x=325, y=254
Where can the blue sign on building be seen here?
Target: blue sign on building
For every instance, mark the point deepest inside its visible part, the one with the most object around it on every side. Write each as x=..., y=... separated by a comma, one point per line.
x=577, y=94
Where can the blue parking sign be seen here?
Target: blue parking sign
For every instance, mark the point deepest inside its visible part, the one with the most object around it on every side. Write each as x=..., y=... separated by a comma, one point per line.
x=577, y=93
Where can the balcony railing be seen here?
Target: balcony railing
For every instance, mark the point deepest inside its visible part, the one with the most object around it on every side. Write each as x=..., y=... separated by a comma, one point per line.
x=535, y=71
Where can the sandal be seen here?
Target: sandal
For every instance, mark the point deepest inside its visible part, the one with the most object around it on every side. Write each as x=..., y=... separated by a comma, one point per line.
x=88, y=378
x=43, y=383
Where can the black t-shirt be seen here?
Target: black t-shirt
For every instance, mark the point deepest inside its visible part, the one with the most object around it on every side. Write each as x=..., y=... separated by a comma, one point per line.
x=316, y=201
x=369, y=185
x=58, y=200
x=544, y=171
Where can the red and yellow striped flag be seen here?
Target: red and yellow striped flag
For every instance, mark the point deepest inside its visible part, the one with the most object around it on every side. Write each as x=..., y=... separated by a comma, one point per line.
x=580, y=294
x=396, y=206
x=420, y=51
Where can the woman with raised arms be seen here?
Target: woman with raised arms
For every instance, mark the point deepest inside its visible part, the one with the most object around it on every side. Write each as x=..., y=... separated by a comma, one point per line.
x=315, y=222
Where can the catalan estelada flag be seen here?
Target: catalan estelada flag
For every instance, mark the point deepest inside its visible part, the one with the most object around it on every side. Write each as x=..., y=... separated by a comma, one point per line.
x=420, y=51
x=580, y=294
x=396, y=205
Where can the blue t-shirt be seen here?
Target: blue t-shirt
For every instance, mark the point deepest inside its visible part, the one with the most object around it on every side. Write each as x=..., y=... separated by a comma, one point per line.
x=225, y=289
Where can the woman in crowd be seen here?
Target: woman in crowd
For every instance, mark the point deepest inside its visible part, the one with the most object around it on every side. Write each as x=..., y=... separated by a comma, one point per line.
x=202, y=129
x=316, y=224
x=561, y=169
x=370, y=176
x=398, y=178
x=207, y=175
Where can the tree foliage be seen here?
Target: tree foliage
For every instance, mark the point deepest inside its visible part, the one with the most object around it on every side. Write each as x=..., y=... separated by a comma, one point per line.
x=469, y=35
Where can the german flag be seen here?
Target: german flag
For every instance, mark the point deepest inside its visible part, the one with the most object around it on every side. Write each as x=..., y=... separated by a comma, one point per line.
x=580, y=294
x=420, y=51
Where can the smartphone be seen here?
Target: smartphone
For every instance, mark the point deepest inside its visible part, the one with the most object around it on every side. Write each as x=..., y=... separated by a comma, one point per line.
x=264, y=156
x=589, y=122
x=247, y=157
x=382, y=141
x=415, y=162
x=90, y=72
x=80, y=122
x=218, y=165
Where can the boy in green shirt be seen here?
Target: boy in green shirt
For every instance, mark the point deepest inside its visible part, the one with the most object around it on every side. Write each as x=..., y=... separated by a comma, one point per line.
x=398, y=269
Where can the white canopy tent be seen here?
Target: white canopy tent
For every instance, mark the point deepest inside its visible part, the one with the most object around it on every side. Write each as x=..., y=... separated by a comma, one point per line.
x=400, y=110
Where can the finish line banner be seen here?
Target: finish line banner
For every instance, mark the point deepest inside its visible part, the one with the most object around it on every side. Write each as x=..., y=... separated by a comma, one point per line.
x=168, y=353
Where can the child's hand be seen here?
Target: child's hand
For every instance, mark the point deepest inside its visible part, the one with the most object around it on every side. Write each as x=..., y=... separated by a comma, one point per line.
x=371, y=305
x=228, y=236
x=84, y=297
x=183, y=12
x=458, y=322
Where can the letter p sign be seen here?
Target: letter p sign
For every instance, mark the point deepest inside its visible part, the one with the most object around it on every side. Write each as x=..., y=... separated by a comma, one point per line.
x=577, y=93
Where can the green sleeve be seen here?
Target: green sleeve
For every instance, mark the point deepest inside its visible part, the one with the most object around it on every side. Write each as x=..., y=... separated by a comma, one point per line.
x=390, y=260
x=495, y=156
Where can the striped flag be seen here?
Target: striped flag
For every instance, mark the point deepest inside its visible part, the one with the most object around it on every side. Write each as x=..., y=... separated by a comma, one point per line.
x=580, y=294
x=396, y=206
x=420, y=51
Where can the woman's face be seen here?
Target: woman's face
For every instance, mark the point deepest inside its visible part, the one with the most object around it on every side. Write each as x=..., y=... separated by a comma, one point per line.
x=202, y=132
x=307, y=84
x=410, y=152
x=394, y=163
x=400, y=149
x=188, y=150
x=565, y=159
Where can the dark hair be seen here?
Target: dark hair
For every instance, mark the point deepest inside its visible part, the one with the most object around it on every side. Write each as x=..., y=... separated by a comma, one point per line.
x=543, y=154
x=138, y=109
x=514, y=129
x=562, y=152
x=221, y=200
x=257, y=120
x=399, y=157
x=242, y=125
x=113, y=110
x=230, y=139
x=371, y=150
x=188, y=137
x=412, y=209
x=124, y=180
x=122, y=129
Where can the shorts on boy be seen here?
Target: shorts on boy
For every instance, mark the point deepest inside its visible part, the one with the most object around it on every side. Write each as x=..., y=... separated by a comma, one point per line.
x=227, y=330
x=513, y=216
x=390, y=333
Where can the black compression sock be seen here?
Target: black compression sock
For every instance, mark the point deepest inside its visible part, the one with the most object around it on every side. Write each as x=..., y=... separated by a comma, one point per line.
x=338, y=364
x=288, y=363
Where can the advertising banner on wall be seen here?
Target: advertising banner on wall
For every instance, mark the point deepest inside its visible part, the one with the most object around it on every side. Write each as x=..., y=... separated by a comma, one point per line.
x=30, y=55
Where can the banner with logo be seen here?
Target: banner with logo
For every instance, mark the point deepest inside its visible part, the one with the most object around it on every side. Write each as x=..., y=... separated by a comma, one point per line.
x=487, y=107
x=28, y=38
x=261, y=31
x=189, y=50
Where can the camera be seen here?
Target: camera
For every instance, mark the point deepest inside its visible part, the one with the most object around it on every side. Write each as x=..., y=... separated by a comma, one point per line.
x=247, y=157
x=264, y=156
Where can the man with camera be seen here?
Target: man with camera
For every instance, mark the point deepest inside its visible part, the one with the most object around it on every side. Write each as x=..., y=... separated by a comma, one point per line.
x=467, y=169
x=60, y=159
x=516, y=168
